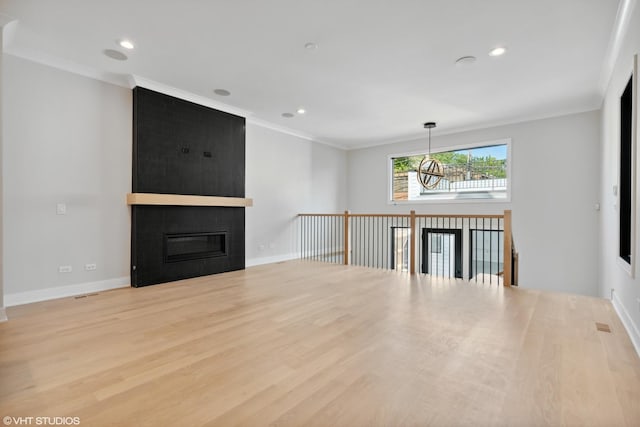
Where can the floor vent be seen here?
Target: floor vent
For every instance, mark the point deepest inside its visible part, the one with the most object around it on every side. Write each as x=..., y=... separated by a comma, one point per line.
x=603, y=327
x=85, y=296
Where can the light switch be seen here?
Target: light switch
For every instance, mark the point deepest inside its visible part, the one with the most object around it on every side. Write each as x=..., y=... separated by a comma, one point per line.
x=61, y=209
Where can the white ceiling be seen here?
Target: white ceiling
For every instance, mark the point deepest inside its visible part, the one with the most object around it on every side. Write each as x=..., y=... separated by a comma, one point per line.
x=382, y=67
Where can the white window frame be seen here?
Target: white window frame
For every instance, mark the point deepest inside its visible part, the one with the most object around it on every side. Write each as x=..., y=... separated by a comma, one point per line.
x=452, y=199
x=629, y=268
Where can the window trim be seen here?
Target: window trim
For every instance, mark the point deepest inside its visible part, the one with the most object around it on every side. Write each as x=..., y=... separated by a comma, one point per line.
x=502, y=141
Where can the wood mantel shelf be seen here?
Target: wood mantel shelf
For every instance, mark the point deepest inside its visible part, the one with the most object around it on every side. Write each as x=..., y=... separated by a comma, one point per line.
x=186, y=200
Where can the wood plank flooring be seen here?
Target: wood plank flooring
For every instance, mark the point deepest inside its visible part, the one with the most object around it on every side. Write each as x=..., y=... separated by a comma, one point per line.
x=310, y=344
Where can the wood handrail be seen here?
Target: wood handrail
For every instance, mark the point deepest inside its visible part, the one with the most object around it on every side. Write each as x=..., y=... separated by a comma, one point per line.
x=379, y=215
x=482, y=216
x=509, y=273
x=312, y=214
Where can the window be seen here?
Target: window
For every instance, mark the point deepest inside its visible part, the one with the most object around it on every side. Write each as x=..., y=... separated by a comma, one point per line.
x=470, y=173
x=626, y=172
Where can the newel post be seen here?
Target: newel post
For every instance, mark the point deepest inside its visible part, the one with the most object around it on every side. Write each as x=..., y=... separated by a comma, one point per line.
x=412, y=243
x=346, y=238
x=508, y=250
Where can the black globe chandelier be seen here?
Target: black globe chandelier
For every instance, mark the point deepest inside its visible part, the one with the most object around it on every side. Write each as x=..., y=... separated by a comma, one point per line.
x=430, y=171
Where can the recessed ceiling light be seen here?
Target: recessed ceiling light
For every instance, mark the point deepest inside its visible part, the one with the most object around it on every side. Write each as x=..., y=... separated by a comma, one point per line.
x=497, y=51
x=301, y=111
x=466, y=60
x=127, y=44
x=115, y=54
x=311, y=46
x=287, y=115
x=222, y=92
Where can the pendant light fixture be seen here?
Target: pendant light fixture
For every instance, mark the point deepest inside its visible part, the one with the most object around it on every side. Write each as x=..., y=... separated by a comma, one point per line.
x=430, y=171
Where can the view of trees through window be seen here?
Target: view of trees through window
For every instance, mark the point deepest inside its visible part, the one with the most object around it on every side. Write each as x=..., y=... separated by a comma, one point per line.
x=478, y=172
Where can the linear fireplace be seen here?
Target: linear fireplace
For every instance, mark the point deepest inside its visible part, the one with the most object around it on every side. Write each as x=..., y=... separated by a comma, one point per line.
x=186, y=246
x=185, y=151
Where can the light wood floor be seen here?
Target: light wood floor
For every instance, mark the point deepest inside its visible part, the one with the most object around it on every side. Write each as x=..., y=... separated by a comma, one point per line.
x=310, y=344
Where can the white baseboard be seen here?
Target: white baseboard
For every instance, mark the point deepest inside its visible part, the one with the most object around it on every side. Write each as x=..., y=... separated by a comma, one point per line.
x=27, y=297
x=270, y=259
x=627, y=321
x=3, y=315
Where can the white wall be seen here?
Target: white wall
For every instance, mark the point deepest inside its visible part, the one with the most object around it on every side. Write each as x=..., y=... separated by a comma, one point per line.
x=67, y=139
x=285, y=176
x=554, y=177
x=626, y=289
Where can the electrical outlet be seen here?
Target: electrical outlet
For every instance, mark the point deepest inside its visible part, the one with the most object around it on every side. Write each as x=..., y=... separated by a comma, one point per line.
x=90, y=267
x=61, y=209
x=65, y=269
x=261, y=247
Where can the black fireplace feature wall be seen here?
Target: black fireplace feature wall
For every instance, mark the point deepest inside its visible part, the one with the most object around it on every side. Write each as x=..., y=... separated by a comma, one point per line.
x=184, y=148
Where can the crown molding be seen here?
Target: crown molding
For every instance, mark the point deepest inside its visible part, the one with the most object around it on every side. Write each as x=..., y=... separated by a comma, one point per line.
x=69, y=66
x=8, y=27
x=135, y=80
x=481, y=126
x=6, y=19
x=620, y=27
x=288, y=131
